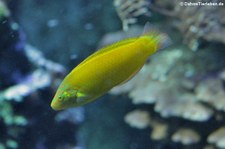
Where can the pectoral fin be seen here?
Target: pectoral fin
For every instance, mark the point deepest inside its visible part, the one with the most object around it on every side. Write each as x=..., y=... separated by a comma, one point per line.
x=81, y=98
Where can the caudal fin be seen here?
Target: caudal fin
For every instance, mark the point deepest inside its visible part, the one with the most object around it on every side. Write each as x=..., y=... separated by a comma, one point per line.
x=161, y=39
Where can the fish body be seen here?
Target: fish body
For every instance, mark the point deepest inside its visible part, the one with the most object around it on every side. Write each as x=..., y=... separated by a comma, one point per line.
x=103, y=70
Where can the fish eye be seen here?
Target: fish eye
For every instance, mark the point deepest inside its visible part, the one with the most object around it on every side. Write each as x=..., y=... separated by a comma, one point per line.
x=60, y=98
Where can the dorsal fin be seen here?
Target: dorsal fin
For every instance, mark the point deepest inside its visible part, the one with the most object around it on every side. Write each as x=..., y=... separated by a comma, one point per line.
x=147, y=28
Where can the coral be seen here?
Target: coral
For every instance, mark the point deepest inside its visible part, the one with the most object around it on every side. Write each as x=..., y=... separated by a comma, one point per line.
x=186, y=136
x=162, y=78
x=141, y=119
x=39, y=78
x=211, y=91
x=12, y=122
x=38, y=60
x=182, y=86
x=173, y=93
x=176, y=93
x=217, y=137
x=186, y=109
x=159, y=130
x=129, y=10
x=25, y=77
x=138, y=119
x=206, y=22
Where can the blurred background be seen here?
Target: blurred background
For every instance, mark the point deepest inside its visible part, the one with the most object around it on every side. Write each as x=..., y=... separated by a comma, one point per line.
x=176, y=101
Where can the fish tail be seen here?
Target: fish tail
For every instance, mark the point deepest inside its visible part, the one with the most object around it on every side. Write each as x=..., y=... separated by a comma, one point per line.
x=162, y=40
x=158, y=39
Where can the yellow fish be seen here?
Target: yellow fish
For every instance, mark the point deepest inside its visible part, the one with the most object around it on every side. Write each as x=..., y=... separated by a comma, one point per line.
x=105, y=69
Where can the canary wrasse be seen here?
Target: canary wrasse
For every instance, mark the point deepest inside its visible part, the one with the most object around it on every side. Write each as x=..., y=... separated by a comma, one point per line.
x=105, y=69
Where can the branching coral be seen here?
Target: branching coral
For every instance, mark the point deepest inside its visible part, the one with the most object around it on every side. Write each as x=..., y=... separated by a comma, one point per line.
x=186, y=136
x=203, y=22
x=129, y=10
x=141, y=119
x=160, y=130
x=196, y=23
x=211, y=91
x=38, y=79
x=199, y=22
x=177, y=83
x=156, y=78
x=217, y=137
x=138, y=119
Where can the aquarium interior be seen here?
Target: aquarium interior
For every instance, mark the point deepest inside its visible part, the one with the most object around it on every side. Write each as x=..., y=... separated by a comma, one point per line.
x=176, y=101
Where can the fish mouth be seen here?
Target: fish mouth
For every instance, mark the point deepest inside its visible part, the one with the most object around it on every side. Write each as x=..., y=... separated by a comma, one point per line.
x=56, y=106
